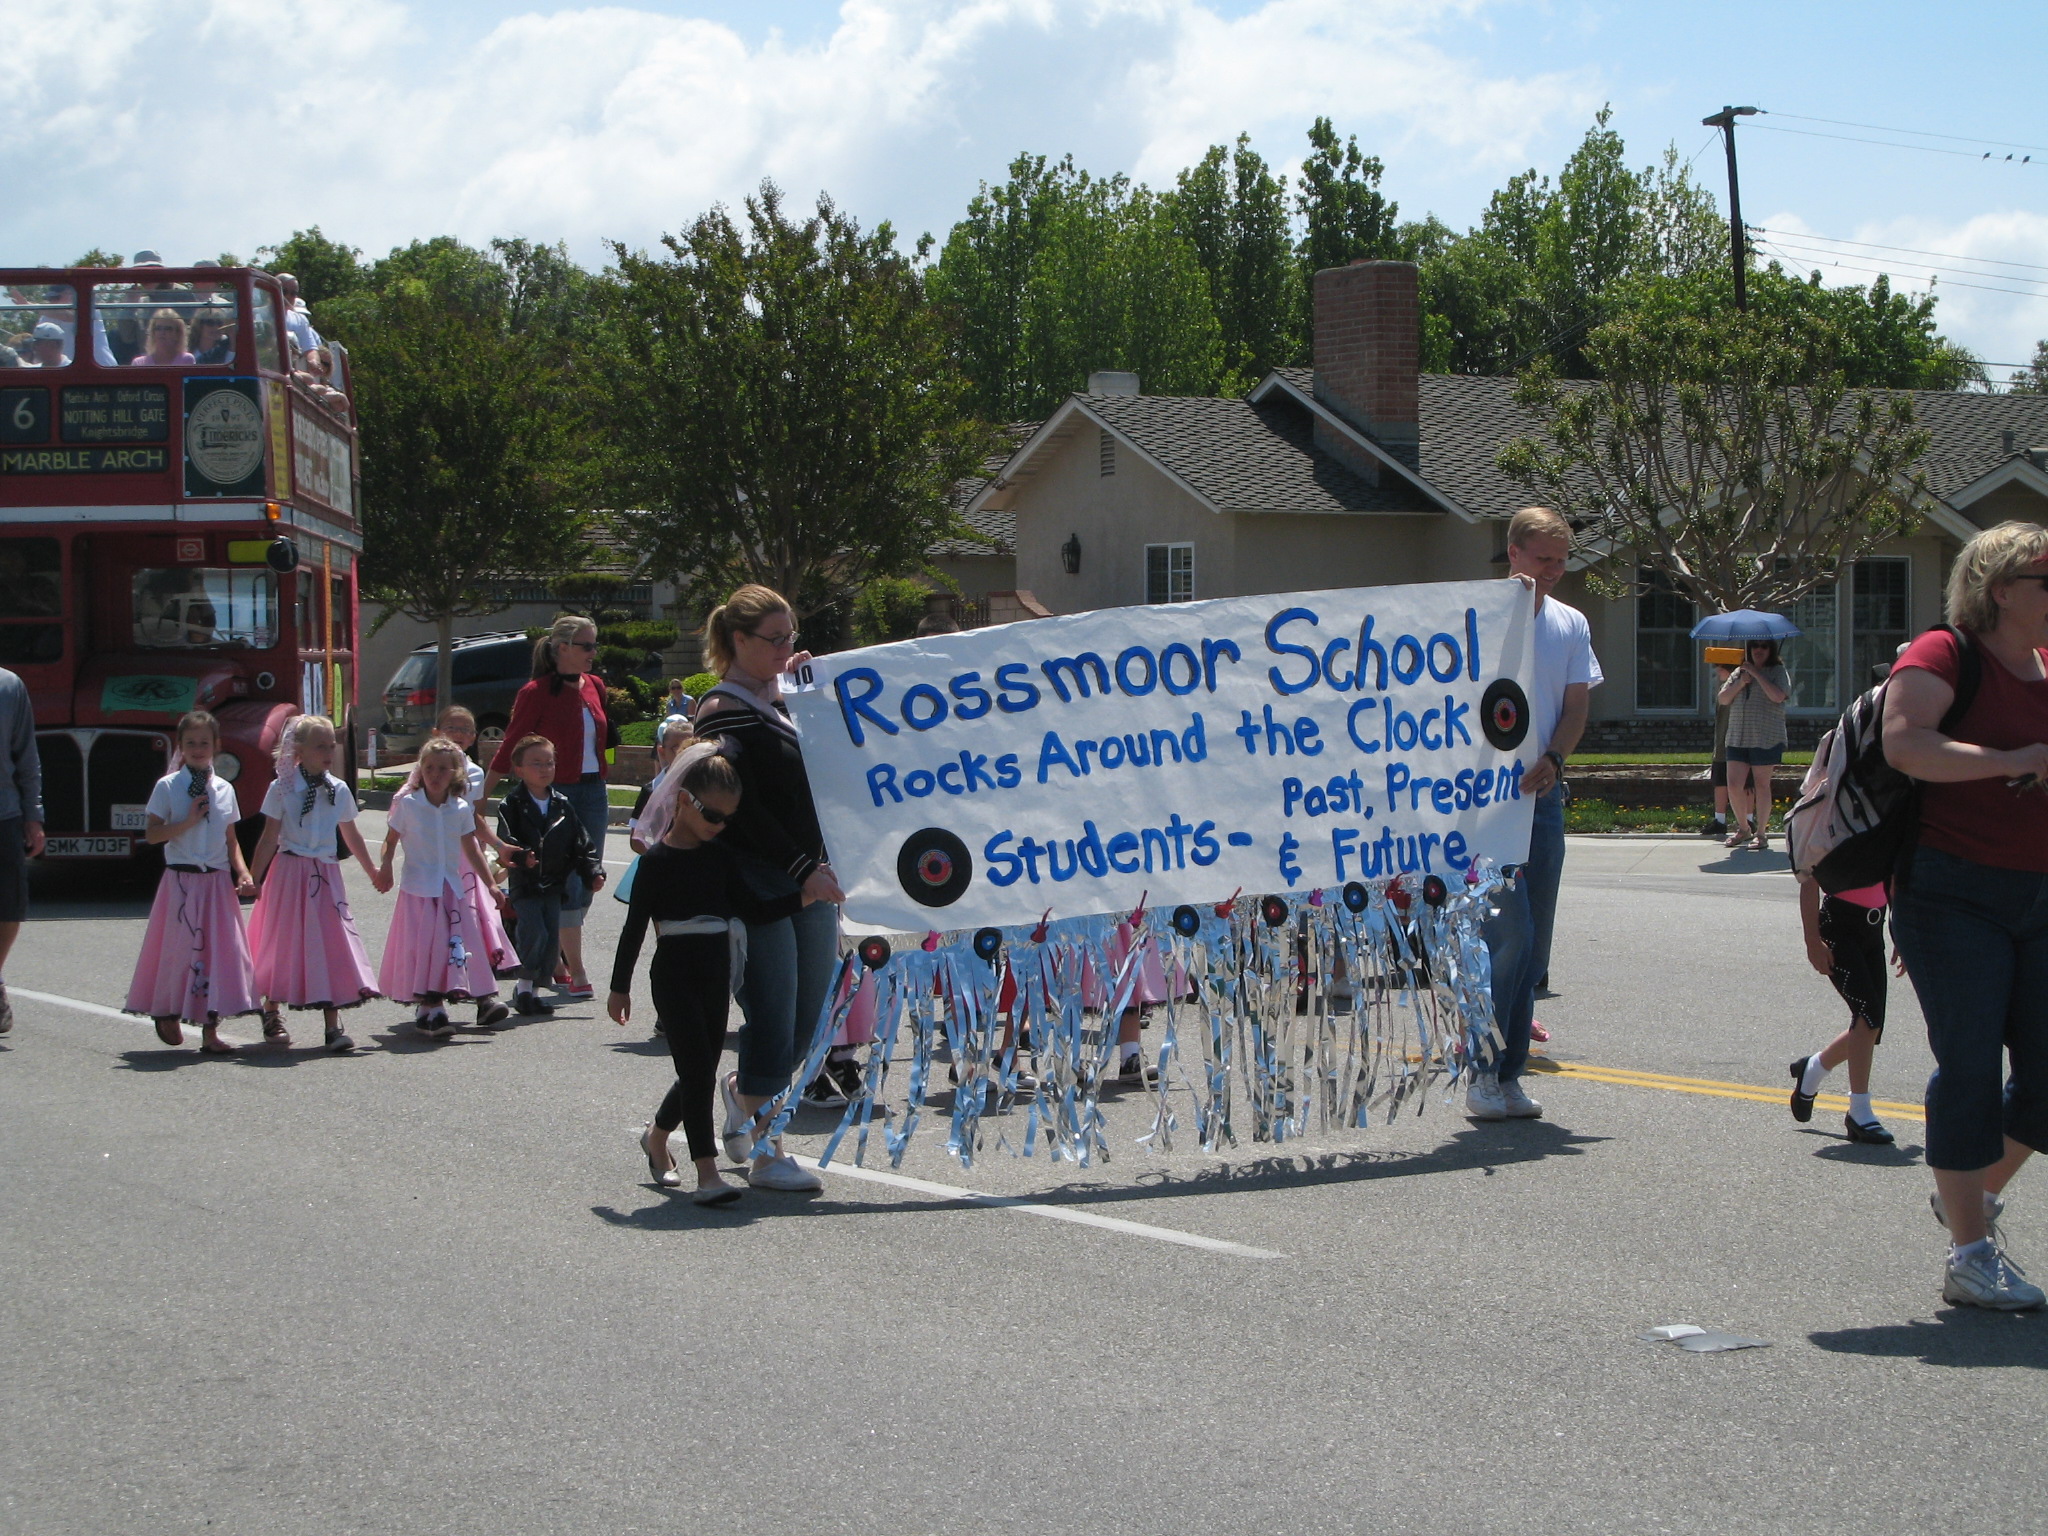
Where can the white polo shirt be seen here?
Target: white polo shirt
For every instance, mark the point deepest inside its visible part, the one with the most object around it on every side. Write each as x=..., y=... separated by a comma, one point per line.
x=205, y=845
x=431, y=836
x=310, y=836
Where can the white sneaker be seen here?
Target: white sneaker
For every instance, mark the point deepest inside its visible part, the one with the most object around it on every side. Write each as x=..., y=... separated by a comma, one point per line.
x=1994, y=1210
x=785, y=1173
x=738, y=1135
x=1992, y=1280
x=1483, y=1100
x=1517, y=1104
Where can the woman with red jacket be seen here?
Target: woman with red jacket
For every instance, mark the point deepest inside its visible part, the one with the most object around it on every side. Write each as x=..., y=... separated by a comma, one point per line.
x=565, y=703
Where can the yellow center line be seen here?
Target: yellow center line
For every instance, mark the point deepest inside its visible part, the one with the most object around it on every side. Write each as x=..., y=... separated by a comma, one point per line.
x=1626, y=1077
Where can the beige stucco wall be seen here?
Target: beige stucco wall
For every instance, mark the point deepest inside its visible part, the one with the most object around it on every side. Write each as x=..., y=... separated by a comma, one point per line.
x=2007, y=504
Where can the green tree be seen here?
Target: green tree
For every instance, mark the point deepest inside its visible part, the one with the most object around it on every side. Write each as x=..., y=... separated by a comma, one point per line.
x=1232, y=211
x=2032, y=379
x=325, y=268
x=99, y=258
x=1344, y=217
x=472, y=437
x=786, y=404
x=1724, y=452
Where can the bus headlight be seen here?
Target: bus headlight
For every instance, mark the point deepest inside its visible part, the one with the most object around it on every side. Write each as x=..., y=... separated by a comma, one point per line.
x=227, y=765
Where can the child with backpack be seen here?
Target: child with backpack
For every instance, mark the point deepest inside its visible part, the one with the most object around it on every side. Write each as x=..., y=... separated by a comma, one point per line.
x=1845, y=943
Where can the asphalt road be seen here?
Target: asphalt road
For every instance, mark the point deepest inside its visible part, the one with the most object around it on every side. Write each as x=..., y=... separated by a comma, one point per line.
x=429, y=1289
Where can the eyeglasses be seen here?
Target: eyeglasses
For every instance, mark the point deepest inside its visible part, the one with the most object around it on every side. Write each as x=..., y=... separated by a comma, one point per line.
x=2033, y=576
x=582, y=645
x=779, y=642
x=715, y=818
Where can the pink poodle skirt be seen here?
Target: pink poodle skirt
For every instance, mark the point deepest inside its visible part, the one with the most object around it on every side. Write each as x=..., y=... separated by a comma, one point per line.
x=308, y=953
x=435, y=949
x=194, y=963
x=498, y=948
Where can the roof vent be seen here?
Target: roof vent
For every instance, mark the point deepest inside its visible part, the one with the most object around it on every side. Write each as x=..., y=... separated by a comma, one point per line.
x=1107, y=449
x=1103, y=382
x=2010, y=436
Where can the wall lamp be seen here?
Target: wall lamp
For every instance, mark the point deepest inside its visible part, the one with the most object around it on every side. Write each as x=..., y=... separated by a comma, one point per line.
x=1070, y=554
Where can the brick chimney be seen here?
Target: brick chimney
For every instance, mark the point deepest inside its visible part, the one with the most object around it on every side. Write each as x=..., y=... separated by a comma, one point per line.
x=1368, y=347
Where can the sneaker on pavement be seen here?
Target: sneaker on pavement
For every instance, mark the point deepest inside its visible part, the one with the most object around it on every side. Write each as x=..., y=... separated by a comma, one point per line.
x=822, y=1090
x=1136, y=1072
x=491, y=1012
x=847, y=1074
x=274, y=1032
x=1483, y=1099
x=1994, y=1210
x=783, y=1172
x=338, y=1042
x=6, y=1010
x=1989, y=1279
x=1516, y=1104
x=579, y=991
x=531, y=1005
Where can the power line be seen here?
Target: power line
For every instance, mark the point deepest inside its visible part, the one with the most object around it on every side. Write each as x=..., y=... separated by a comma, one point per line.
x=1871, y=245
x=1781, y=242
x=1930, y=149
x=1798, y=260
x=1918, y=133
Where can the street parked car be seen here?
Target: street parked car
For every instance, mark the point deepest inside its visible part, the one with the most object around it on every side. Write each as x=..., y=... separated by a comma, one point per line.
x=489, y=670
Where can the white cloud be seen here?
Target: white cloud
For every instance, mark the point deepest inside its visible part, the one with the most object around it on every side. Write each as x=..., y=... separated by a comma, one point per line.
x=1989, y=272
x=196, y=124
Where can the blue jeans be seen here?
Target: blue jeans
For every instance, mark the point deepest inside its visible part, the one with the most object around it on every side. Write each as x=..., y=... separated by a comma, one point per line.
x=1514, y=935
x=1975, y=943
x=789, y=972
x=592, y=805
x=536, y=934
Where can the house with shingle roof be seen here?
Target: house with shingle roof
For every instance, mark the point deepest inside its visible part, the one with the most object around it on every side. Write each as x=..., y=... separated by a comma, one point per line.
x=1362, y=470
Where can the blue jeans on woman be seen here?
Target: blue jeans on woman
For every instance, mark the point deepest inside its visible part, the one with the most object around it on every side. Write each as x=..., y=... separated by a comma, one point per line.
x=1975, y=943
x=1518, y=936
x=588, y=798
x=789, y=972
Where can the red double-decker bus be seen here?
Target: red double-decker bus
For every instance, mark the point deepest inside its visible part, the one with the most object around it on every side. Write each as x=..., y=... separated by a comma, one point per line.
x=178, y=530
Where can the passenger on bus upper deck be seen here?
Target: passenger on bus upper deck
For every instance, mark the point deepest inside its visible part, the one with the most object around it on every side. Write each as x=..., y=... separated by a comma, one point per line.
x=166, y=345
x=213, y=339
x=49, y=346
x=298, y=320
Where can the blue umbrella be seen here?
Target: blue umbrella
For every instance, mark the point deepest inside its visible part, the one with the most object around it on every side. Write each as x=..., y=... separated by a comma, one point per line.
x=1745, y=624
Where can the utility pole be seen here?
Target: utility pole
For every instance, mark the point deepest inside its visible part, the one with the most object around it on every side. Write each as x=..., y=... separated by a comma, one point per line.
x=1725, y=121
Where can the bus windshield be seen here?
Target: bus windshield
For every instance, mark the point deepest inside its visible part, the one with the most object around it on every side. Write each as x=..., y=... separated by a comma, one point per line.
x=31, y=589
x=192, y=607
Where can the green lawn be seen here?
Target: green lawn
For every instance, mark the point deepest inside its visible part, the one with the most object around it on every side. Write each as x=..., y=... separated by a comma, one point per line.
x=1600, y=816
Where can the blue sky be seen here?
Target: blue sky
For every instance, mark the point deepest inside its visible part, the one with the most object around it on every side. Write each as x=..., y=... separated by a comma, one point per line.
x=197, y=125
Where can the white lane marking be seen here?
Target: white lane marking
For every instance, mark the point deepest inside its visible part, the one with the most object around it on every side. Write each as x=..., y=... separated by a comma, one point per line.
x=1053, y=1212
x=72, y=1002
x=102, y=1010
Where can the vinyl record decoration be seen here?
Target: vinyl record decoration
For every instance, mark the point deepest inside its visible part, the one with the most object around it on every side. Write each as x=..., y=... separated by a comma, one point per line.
x=874, y=952
x=1355, y=897
x=1187, y=922
x=1274, y=910
x=1504, y=713
x=988, y=943
x=934, y=867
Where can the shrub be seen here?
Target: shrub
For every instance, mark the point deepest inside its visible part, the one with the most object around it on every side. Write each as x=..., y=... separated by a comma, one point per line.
x=888, y=608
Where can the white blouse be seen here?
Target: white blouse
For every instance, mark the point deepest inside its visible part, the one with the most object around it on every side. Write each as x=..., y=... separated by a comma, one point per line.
x=310, y=836
x=205, y=845
x=431, y=836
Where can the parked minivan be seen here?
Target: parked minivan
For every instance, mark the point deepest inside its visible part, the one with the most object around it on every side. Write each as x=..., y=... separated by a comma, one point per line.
x=489, y=670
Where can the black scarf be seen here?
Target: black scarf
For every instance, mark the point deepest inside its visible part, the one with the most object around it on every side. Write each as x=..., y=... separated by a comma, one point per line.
x=314, y=782
x=200, y=787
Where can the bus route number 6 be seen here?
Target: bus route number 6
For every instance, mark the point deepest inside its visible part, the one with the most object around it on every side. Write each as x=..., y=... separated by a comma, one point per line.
x=24, y=415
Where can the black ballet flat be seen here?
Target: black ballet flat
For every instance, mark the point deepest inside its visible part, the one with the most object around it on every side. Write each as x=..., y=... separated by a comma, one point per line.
x=1802, y=1103
x=1870, y=1132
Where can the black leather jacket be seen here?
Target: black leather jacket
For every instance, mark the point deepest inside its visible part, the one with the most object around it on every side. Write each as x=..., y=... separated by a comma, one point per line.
x=557, y=836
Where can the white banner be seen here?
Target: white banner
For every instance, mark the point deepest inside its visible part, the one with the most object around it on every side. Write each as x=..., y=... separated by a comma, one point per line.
x=1278, y=743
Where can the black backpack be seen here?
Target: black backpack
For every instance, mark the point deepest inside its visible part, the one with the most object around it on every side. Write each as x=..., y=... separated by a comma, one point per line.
x=1857, y=816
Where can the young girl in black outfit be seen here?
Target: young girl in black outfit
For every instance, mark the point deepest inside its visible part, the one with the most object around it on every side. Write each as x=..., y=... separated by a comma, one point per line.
x=690, y=889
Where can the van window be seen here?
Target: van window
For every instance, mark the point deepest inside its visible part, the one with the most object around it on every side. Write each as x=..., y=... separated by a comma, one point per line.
x=492, y=663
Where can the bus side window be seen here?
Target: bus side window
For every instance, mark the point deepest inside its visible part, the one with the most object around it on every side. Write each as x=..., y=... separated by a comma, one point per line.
x=269, y=334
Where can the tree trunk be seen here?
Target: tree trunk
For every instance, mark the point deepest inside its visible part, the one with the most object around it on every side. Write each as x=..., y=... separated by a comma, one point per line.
x=444, y=664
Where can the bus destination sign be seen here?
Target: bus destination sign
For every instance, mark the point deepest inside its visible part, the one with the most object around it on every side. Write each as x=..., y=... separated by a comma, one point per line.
x=115, y=413
x=83, y=461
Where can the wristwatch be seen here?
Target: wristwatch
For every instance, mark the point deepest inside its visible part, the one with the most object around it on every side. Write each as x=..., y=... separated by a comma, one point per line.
x=1557, y=759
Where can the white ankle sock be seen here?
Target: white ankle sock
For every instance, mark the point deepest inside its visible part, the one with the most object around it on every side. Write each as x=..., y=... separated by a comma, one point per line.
x=1132, y=1050
x=1859, y=1108
x=1958, y=1252
x=1815, y=1075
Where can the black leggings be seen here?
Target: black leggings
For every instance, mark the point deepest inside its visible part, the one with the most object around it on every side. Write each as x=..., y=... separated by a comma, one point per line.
x=691, y=978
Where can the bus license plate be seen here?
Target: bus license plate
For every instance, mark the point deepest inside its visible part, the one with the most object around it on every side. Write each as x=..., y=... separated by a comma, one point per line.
x=130, y=818
x=87, y=847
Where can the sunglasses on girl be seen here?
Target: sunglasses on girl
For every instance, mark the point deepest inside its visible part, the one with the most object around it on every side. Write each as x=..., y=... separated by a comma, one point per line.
x=715, y=818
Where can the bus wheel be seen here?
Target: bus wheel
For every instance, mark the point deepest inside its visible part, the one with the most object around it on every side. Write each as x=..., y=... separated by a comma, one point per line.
x=490, y=734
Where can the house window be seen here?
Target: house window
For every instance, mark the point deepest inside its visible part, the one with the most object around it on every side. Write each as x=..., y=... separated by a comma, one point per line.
x=1667, y=671
x=1880, y=617
x=1812, y=658
x=1107, y=449
x=1169, y=573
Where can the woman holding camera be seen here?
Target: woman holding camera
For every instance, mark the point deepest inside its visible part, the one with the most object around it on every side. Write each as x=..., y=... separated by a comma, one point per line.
x=1970, y=900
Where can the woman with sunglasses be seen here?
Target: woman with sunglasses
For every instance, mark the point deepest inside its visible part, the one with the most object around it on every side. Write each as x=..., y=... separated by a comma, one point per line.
x=565, y=703
x=689, y=886
x=165, y=345
x=750, y=641
x=1970, y=898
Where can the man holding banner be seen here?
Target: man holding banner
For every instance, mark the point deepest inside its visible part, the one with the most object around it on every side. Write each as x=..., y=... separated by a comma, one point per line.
x=1566, y=671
